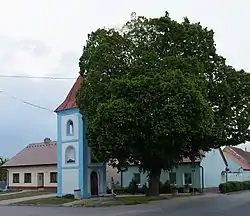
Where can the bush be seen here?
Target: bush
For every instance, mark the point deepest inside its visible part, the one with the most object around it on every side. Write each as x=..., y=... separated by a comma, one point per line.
x=121, y=191
x=233, y=186
x=246, y=185
x=68, y=196
x=133, y=187
x=165, y=188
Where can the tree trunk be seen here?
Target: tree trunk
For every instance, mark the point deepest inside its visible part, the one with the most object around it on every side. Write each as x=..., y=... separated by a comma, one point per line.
x=154, y=181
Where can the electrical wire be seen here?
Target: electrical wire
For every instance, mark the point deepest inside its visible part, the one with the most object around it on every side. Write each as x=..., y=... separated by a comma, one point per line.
x=25, y=102
x=32, y=77
x=36, y=77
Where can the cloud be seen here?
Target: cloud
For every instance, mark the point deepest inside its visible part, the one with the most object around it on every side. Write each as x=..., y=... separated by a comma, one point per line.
x=34, y=40
x=68, y=64
x=21, y=123
x=35, y=47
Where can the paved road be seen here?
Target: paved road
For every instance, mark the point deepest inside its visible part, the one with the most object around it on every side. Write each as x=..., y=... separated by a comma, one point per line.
x=221, y=205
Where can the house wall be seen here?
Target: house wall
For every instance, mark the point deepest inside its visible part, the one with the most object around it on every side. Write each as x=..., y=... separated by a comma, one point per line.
x=236, y=173
x=180, y=171
x=112, y=173
x=213, y=165
x=34, y=180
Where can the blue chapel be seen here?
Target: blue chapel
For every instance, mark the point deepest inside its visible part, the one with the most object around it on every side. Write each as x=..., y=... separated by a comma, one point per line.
x=76, y=167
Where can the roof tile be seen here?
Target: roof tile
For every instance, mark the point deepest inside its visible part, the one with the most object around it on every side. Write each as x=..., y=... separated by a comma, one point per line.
x=240, y=156
x=70, y=100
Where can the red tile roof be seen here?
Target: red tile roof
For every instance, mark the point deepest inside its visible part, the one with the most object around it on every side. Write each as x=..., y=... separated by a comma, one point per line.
x=35, y=154
x=239, y=156
x=70, y=101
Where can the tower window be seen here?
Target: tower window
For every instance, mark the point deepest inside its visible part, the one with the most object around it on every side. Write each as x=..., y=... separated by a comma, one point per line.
x=70, y=154
x=70, y=128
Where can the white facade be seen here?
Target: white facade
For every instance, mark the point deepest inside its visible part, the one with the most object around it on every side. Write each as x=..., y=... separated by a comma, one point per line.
x=112, y=174
x=70, y=180
x=70, y=170
x=213, y=165
x=34, y=171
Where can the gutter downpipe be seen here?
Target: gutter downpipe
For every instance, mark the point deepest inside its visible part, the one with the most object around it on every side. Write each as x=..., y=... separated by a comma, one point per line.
x=202, y=178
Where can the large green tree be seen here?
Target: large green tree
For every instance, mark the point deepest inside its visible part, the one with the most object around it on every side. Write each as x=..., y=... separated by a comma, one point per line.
x=156, y=91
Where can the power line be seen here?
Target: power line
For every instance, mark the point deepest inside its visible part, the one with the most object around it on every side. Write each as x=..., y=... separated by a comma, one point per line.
x=36, y=77
x=26, y=102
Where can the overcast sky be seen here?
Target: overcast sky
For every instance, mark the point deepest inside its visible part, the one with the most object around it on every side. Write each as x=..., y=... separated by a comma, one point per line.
x=45, y=38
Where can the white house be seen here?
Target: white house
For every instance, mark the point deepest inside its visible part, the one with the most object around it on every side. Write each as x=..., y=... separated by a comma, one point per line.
x=35, y=167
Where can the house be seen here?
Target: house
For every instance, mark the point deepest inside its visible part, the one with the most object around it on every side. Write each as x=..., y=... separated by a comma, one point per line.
x=238, y=163
x=77, y=167
x=35, y=167
x=205, y=173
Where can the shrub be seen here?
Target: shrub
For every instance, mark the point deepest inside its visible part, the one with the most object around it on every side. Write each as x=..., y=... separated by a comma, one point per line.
x=68, y=196
x=165, y=188
x=133, y=187
x=246, y=185
x=233, y=186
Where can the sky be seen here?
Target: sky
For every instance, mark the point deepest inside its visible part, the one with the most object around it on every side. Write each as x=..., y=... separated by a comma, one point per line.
x=45, y=38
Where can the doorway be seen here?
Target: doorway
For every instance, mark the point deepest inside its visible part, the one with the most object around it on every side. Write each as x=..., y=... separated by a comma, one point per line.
x=40, y=180
x=94, y=183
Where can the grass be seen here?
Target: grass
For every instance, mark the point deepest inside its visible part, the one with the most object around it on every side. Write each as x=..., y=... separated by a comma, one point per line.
x=130, y=200
x=9, y=191
x=46, y=201
x=24, y=194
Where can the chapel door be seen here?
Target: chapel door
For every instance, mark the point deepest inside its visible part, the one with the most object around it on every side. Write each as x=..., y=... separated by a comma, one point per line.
x=94, y=183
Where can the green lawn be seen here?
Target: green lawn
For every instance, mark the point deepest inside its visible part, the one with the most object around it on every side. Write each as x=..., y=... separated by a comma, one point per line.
x=46, y=201
x=131, y=200
x=24, y=194
x=9, y=191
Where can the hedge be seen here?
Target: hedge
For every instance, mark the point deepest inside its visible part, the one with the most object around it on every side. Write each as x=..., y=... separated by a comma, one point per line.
x=233, y=186
x=165, y=188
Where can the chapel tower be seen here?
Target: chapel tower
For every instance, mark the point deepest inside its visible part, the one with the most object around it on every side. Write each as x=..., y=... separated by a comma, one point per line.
x=76, y=168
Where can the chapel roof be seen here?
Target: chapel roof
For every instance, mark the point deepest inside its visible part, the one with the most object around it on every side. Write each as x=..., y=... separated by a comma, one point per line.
x=70, y=100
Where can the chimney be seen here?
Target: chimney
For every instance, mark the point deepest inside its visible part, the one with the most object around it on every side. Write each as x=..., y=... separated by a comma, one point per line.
x=47, y=140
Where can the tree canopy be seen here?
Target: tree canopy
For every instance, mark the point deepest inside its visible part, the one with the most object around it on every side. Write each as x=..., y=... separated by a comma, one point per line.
x=156, y=91
x=3, y=171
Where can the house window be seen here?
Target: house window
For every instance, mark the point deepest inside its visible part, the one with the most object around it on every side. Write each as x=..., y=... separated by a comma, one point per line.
x=172, y=178
x=187, y=178
x=70, y=154
x=53, y=177
x=27, y=177
x=16, y=178
x=70, y=128
x=137, y=178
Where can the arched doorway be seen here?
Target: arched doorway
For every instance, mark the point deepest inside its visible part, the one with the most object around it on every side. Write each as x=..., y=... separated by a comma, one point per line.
x=94, y=183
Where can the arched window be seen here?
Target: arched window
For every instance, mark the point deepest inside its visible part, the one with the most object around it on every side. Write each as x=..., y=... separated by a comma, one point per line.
x=70, y=154
x=70, y=128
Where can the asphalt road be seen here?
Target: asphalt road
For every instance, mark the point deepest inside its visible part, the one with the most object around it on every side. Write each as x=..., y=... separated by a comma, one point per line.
x=221, y=205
